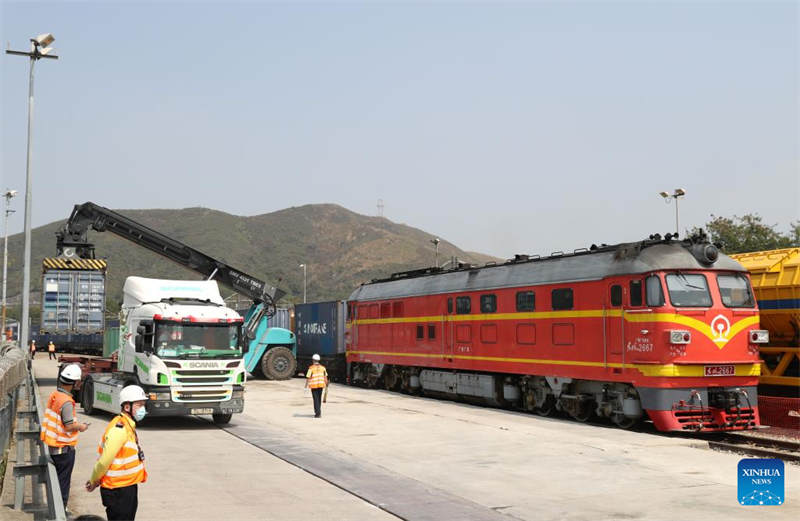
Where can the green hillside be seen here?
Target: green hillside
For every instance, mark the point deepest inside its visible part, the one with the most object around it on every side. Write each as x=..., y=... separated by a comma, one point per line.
x=341, y=248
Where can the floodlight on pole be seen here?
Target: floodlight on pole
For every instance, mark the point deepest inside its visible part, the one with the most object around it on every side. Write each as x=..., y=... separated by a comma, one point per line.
x=304, y=282
x=8, y=195
x=679, y=192
x=39, y=49
x=436, y=242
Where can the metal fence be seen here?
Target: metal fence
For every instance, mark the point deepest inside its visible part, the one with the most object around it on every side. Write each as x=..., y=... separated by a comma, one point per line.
x=21, y=416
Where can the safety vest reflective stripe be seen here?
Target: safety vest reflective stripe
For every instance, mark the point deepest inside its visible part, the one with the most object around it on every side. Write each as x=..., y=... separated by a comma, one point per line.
x=126, y=469
x=317, y=376
x=119, y=473
x=53, y=432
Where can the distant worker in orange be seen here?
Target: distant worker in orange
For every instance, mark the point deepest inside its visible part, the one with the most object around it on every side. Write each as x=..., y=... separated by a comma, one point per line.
x=317, y=381
x=51, y=351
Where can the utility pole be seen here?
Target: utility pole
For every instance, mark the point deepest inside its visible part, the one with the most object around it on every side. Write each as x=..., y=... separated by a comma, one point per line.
x=8, y=195
x=39, y=50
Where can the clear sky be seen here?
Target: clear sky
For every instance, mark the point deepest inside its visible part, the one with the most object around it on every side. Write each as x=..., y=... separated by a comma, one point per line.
x=504, y=127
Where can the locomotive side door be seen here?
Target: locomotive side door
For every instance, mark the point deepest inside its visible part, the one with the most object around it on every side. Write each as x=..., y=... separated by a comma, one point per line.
x=614, y=324
x=448, y=337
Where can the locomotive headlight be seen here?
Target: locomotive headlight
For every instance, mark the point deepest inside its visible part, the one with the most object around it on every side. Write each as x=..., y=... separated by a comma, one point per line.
x=759, y=336
x=678, y=336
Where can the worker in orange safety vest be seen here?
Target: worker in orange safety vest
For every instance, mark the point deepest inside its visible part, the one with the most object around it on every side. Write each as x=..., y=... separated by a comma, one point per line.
x=317, y=381
x=60, y=427
x=120, y=466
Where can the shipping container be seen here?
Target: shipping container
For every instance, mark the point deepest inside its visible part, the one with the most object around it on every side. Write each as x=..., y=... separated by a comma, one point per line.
x=73, y=295
x=110, y=340
x=319, y=329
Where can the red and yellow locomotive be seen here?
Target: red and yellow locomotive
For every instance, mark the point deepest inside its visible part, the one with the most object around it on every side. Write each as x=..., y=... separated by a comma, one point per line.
x=663, y=329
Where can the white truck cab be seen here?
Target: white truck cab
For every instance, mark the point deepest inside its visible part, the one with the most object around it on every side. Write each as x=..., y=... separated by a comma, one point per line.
x=182, y=345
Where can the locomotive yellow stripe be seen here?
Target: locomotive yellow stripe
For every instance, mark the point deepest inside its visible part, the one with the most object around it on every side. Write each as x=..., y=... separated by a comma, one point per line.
x=652, y=370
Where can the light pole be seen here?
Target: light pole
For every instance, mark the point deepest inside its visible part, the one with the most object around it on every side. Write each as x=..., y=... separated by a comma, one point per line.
x=39, y=49
x=304, y=282
x=8, y=195
x=436, y=243
x=679, y=192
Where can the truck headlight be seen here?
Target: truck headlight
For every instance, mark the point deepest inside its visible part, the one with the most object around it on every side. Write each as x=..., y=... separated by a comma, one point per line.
x=160, y=396
x=237, y=394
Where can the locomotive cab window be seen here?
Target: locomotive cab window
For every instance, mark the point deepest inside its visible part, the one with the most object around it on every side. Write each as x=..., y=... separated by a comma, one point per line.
x=616, y=295
x=431, y=331
x=449, y=305
x=688, y=290
x=735, y=291
x=562, y=299
x=636, y=292
x=463, y=305
x=488, y=303
x=526, y=301
x=420, y=332
x=655, y=294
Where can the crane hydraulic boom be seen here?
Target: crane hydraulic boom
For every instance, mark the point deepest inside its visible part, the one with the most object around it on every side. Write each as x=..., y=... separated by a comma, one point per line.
x=72, y=240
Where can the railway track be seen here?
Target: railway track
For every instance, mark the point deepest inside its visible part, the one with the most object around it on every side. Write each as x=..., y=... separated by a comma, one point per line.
x=758, y=446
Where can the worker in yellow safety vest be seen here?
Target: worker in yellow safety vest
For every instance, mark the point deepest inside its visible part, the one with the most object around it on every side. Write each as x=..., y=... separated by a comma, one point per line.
x=317, y=381
x=51, y=351
x=60, y=427
x=120, y=466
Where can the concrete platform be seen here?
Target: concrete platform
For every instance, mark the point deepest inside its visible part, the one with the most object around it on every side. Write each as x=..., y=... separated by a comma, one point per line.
x=198, y=471
x=377, y=455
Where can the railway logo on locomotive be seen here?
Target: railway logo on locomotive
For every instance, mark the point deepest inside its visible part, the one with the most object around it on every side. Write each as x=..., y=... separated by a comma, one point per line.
x=761, y=482
x=721, y=327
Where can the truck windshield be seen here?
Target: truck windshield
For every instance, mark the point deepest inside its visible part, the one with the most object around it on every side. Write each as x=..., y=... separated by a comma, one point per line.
x=182, y=340
x=688, y=290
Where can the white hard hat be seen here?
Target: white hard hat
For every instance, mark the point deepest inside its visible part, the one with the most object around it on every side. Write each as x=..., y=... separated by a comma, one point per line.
x=315, y=357
x=132, y=393
x=71, y=373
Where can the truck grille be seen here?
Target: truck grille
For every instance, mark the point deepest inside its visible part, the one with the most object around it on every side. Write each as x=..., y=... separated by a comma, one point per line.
x=202, y=395
x=202, y=377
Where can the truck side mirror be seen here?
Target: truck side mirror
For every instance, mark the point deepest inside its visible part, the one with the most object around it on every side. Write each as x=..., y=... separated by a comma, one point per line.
x=143, y=342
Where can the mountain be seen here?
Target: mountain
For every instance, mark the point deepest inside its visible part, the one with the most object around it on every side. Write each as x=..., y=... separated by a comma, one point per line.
x=341, y=249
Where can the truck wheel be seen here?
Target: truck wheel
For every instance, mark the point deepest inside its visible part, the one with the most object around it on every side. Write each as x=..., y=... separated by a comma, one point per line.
x=278, y=364
x=87, y=395
x=221, y=419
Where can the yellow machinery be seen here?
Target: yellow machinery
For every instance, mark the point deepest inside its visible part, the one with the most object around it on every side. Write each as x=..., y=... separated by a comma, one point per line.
x=776, y=281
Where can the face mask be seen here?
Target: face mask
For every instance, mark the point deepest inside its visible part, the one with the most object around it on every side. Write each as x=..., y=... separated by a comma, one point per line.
x=139, y=414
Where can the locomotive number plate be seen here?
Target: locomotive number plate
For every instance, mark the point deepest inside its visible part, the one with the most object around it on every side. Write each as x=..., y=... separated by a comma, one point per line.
x=719, y=370
x=201, y=411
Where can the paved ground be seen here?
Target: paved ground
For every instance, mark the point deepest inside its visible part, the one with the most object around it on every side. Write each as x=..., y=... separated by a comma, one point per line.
x=198, y=471
x=373, y=448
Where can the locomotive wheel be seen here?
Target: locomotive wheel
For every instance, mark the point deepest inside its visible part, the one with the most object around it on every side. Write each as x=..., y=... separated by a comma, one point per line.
x=547, y=408
x=623, y=422
x=392, y=380
x=278, y=364
x=584, y=415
